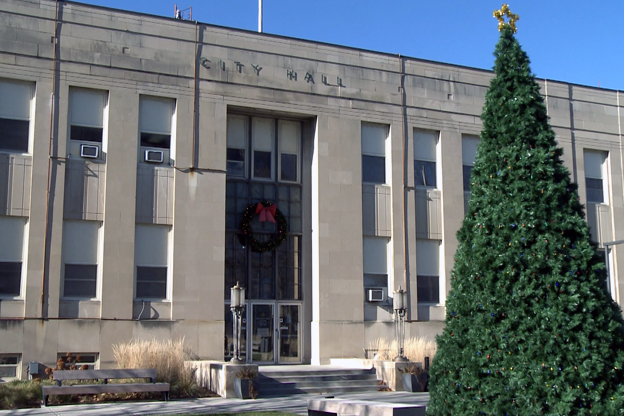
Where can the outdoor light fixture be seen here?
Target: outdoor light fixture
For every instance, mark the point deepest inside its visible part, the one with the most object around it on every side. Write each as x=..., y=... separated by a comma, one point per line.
x=399, y=304
x=237, y=304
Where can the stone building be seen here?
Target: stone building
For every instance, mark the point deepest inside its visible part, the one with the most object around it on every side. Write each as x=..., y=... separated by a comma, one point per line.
x=131, y=146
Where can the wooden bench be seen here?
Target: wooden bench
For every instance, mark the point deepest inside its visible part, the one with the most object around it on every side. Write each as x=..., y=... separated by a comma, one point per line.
x=326, y=407
x=105, y=375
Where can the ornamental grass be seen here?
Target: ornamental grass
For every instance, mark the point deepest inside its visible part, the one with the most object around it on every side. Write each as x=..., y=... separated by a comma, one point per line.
x=415, y=349
x=167, y=357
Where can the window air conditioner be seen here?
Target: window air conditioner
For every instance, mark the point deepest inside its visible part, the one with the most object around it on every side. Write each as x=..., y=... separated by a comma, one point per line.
x=154, y=156
x=89, y=151
x=376, y=294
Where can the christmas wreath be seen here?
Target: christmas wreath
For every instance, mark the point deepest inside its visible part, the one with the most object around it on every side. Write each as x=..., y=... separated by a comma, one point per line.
x=267, y=212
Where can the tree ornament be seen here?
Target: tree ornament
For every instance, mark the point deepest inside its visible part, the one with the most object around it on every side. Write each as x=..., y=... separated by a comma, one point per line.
x=267, y=211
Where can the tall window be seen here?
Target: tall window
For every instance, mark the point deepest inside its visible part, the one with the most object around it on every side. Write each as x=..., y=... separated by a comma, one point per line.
x=86, y=121
x=374, y=152
x=428, y=271
x=469, y=154
x=151, y=256
x=237, y=140
x=596, y=176
x=263, y=145
x=15, y=110
x=11, y=255
x=156, y=118
x=425, y=156
x=263, y=165
x=80, y=259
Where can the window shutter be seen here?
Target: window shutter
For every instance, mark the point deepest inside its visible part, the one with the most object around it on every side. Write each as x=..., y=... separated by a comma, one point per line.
x=151, y=245
x=15, y=99
x=425, y=145
x=80, y=242
x=87, y=107
x=155, y=115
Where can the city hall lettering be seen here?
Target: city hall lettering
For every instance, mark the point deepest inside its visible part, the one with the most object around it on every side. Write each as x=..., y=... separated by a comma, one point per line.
x=290, y=74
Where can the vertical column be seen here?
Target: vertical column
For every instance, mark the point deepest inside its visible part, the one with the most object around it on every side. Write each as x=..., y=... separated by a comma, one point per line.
x=337, y=240
x=199, y=227
x=117, y=285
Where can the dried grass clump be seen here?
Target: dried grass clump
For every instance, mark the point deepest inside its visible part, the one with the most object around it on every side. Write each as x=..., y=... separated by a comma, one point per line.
x=383, y=349
x=415, y=349
x=167, y=357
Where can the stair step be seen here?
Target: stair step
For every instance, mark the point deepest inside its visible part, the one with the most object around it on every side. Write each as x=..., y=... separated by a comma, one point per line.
x=316, y=381
x=305, y=373
x=318, y=390
x=312, y=383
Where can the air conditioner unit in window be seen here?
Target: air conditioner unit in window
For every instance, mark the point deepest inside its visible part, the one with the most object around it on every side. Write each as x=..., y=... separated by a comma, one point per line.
x=89, y=151
x=376, y=294
x=154, y=156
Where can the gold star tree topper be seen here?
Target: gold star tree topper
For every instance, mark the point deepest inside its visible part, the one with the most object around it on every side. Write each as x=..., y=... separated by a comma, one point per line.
x=500, y=15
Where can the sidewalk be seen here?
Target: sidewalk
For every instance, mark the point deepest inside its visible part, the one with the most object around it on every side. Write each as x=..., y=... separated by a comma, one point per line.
x=294, y=404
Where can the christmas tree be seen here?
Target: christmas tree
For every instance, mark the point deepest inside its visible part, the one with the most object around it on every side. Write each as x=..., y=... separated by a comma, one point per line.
x=530, y=326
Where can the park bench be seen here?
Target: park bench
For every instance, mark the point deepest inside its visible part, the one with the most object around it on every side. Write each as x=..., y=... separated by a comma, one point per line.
x=327, y=406
x=105, y=375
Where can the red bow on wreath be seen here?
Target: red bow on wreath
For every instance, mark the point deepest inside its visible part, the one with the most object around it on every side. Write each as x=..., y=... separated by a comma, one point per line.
x=266, y=213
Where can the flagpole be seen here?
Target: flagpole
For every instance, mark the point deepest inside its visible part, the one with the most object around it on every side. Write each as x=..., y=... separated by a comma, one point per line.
x=259, y=16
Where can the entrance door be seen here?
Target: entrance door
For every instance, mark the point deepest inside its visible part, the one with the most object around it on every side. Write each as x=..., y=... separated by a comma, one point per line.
x=275, y=338
x=262, y=333
x=289, y=337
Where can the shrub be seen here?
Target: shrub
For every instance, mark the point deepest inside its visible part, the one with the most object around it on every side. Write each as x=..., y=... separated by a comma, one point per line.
x=167, y=357
x=19, y=394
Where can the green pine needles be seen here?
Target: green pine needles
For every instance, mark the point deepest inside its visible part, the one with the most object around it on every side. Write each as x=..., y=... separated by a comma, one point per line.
x=530, y=326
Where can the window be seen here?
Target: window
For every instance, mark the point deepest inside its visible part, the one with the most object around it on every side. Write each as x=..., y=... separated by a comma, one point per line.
x=86, y=123
x=376, y=261
x=86, y=117
x=80, y=259
x=428, y=271
x=151, y=256
x=469, y=154
x=77, y=360
x=595, y=176
x=15, y=110
x=374, y=152
x=425, y=155
x=263, y=164
x=237, y=137
x=156, y=116
x=11, y=255
x=288, y=140
x=9, y=366
x=263, y=139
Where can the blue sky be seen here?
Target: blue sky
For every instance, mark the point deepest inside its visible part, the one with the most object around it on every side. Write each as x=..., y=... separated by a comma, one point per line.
x=576, y=41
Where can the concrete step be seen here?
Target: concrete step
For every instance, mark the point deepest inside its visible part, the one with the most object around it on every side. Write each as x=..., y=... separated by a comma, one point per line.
x=316, y=390
x=316, y=381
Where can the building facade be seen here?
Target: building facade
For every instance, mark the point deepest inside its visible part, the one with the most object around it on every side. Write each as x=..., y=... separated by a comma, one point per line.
x=134, y=149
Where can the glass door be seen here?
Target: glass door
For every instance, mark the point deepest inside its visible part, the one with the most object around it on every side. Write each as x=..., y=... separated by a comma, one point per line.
x=289, y=342
x=262, y=333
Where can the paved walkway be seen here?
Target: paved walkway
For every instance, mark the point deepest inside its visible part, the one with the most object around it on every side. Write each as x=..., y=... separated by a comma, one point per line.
x=294, y=404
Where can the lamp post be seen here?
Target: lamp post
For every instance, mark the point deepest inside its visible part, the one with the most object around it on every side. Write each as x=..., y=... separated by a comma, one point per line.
x=237, y=304
x=399, y=304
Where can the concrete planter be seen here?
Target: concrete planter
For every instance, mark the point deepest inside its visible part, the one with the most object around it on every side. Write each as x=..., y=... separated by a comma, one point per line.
x=242, y=388
x=415, y=382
